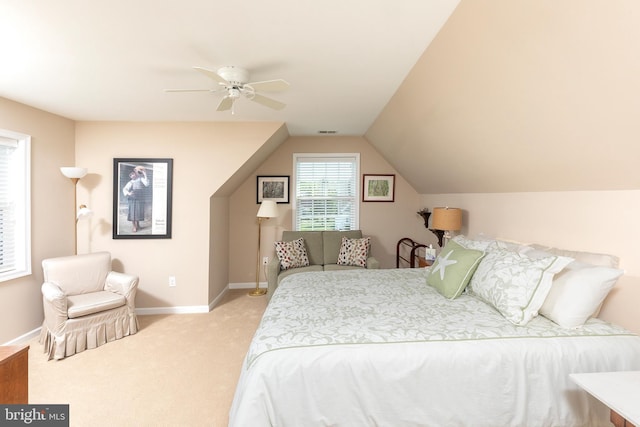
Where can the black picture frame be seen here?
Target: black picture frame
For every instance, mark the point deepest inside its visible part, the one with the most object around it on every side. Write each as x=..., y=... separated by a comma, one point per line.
x=148, y=203
x=378, y=188
x=272, y=187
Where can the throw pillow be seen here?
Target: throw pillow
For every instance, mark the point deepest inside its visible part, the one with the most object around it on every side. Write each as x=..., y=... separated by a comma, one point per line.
x=515, y=284
x=468, y=243
x=292, y=254
x=603, y=260
x=453, y=268
x=354, y=251
x=577, y=292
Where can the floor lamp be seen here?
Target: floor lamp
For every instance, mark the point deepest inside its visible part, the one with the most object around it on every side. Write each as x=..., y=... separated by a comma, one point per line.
x=268, y=209
x=74, y=174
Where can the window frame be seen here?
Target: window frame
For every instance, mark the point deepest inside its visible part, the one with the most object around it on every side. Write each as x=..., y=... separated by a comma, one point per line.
x=19, y=192
x=355, y=157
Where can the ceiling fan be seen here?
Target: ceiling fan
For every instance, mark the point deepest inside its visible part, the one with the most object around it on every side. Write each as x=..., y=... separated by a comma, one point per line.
x=233, y=82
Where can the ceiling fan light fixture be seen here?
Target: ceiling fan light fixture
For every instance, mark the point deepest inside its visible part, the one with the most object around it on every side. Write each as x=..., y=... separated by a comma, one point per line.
x=234, y=75
x=234, y=93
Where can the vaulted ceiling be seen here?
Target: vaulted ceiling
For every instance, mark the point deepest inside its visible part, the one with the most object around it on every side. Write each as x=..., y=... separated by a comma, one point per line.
x=459, y=96
x=113, y=60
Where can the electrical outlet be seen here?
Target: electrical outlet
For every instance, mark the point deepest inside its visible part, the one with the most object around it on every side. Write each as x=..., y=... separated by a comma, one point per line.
x=265, y=260
x=172, y=281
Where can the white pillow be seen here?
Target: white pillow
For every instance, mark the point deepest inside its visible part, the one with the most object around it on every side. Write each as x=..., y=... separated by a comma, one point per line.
x=484, y=243
x=604, y=260
x=515, y=284
x=475, y=244
x=577, y=293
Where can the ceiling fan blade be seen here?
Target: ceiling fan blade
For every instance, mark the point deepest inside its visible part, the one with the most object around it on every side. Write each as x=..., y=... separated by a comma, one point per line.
x=268, y=102
x=268, y=85
x=191, y=90
x=225, y=104
x=212, y=74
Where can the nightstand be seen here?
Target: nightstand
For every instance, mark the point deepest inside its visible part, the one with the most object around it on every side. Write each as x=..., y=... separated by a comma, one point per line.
x=620, y=391
x=423, y=262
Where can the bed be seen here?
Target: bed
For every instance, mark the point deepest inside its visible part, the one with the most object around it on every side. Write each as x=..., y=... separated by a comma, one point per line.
x=383, y=348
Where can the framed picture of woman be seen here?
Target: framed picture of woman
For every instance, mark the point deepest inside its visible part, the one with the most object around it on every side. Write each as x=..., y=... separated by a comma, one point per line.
x=142, y=191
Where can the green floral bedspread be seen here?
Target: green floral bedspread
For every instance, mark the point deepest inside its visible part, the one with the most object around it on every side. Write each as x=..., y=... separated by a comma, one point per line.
x=387, y=306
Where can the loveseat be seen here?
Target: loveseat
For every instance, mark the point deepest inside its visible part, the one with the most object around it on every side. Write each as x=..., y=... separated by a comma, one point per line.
x=322, y=250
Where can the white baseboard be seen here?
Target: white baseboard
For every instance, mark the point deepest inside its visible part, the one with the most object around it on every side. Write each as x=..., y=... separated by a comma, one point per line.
x=186, y=309
x=23, y=339
x=196, y=308
x=247, y=285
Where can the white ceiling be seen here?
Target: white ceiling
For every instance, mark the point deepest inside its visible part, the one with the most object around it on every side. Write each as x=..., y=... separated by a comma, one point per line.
x=89, y=60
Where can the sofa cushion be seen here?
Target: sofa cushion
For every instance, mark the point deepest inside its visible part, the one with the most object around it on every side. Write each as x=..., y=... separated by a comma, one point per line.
x=292, y=254
x=332, y=241
x=354, y=252
x=333, y=267
x=94, y=302
x=312, y=243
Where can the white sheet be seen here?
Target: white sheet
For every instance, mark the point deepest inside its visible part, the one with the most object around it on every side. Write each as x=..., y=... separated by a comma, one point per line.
x=325, y=354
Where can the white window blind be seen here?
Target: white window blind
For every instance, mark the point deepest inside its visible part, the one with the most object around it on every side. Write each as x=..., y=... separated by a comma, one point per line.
x=326, y=191
x=15, y=241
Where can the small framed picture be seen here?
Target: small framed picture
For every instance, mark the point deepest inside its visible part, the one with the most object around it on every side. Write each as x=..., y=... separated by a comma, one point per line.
x=378, y=188
x=274, y=188
x=142, y=198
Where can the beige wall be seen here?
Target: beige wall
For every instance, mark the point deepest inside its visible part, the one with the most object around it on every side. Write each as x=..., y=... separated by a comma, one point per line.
x=386, y=223
x=593, y=221
x=205, y=156
x=516, y=96
x=52, y=213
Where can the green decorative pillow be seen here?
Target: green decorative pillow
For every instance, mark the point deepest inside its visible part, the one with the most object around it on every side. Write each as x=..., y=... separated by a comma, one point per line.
x=453, y=268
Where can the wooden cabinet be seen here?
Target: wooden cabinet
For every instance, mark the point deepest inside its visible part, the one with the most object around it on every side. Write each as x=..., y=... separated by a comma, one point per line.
x=14, y=374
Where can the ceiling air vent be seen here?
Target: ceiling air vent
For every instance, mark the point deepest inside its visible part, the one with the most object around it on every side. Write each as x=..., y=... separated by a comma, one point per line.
x=327, y=132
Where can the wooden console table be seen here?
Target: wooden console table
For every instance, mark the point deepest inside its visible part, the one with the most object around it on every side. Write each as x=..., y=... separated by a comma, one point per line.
x=14, y=374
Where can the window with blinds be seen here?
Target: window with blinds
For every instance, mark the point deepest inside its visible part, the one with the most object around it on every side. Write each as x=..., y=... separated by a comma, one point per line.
x=15, y=196
x=326, y=191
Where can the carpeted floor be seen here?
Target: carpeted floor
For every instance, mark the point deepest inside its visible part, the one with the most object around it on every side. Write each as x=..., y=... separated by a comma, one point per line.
x=178, y=370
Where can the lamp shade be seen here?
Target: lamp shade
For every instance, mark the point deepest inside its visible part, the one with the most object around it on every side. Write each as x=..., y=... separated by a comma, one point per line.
x=84, y=212
x=447, y=219
x=268, y=209
x=73, y=172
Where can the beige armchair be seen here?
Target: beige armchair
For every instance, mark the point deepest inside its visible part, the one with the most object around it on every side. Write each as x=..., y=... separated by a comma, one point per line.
x=86, y=304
